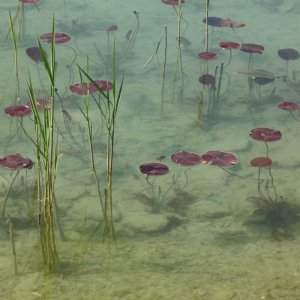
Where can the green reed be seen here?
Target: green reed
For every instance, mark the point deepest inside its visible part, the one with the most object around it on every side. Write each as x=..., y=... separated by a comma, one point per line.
x=164, y=33
x=201, y=103
x=45, y=141
x=15, y=37
x=178, y=73
x=107, y=109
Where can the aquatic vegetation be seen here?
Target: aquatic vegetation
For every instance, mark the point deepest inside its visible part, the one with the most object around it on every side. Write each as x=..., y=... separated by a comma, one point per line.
x=276, y=210
x=271, y=210
x=279, y=215
x=257, y=79
x=207, y=79
x=180, y=200
x=90, y=166
x=131, y=34
x=232, y=24
x=230, y=46
x=35, y=54
x=177, y=202
x=59, y=37
x=220, y=159
x=178, y=74
x=84, y=88
x=213, y=21
x=29, y=1
x=45, y=143
x=186, y=159
x=15, y=38
x=210, y=96
x=281, y=234
x=107, y=109
x=207, y=55
x=257, y=83
x=16, y=163
x=164, y=33
x=264, y=162
x=173, y=2
x=18, y=110
x=288, y=54
x=156, y=199
x=251, y=49
x=265, y=135
x=290, y=107
x=159, y=200
x=110, y=29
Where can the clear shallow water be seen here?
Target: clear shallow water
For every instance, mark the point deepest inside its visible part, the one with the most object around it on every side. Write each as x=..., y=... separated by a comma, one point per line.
x=213, y=248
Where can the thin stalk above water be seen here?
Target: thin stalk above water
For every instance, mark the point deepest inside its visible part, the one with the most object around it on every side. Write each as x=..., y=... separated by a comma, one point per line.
x=15, y=38
x=45, y=142
x=108, y=110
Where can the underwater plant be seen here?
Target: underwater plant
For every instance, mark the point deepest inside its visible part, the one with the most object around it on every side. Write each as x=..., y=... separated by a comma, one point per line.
x=264, y=163
x=251, y=49
x=205, y=104
x=222, y=160
x=131, y=35
x=35, y=54
x=30, y=1
x=16, y=163
x=256, y=86
x=288, y=54
x=279, y=214
x=156, y=199
x=275, y=209
x=265, y=135
x=291, y=107
x=229, y=46
x=17, y=112
x=186, y=159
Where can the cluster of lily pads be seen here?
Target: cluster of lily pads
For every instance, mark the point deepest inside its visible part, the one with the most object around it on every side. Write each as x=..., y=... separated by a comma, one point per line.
x=224, y=160
x=216, y=158
x=188, y=159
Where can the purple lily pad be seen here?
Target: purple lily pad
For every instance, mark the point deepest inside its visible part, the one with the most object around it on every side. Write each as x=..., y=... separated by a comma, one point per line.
x=220, y=159
x=18, y=110
x=261, y=162
x=289, y=105
x=186, y=159
x=265, y=134
x=252, y=48
x=214, y=21
x=34, y=53
x=154, y=169
x=16, y=161
x=59, y=37
x=207, y=79
x=288, y=54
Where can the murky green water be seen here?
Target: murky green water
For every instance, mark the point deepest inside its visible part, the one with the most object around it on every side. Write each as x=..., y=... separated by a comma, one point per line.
x=204, y=240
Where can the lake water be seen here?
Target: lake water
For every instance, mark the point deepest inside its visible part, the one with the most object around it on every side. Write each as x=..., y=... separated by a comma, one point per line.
x=224, y=228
